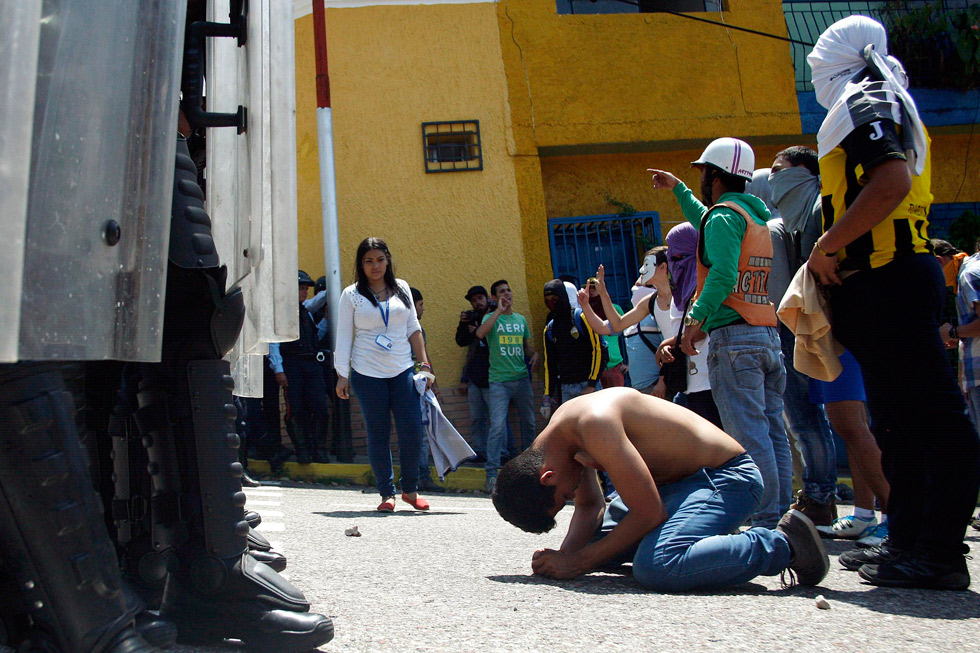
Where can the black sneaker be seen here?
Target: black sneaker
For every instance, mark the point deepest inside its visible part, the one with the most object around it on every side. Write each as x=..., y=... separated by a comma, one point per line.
x=920, y=569
x=855, y=558
x=809, y=559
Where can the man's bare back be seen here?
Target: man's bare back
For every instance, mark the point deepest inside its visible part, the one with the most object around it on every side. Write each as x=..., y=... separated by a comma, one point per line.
x=673, y=442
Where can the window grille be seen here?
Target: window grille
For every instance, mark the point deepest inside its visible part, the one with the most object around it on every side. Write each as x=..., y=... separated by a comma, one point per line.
x=452, y=146
x=579, y=245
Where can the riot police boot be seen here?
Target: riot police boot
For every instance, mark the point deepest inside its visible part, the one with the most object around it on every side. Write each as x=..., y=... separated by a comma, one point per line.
x=253, y=518
x=262, y=549
x=52, y=534
x=244, y=600
x=249, y=481
x=217, y=590
x=156, y=630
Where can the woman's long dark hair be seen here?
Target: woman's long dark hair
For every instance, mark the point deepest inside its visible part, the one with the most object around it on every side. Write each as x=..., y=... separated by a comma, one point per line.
x=362, y=281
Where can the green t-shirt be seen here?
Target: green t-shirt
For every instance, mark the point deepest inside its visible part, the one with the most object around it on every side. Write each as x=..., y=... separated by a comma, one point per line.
x=506, y=342
x=612, y=343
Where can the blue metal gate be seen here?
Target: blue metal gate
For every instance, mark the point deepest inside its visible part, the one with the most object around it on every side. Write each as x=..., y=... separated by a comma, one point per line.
x=579, y=245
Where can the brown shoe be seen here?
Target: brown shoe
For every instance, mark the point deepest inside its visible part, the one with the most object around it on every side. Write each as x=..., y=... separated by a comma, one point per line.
x=821, y=514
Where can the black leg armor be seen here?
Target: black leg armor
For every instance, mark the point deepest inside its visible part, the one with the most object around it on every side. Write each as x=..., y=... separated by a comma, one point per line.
x=53, y=538
x=214, y=588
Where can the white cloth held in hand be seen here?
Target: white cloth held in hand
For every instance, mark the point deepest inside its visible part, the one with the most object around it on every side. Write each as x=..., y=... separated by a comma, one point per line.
x=449, y=449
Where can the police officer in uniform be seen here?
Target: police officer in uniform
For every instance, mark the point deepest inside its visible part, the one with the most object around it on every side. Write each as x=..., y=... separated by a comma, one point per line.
x=297, y=365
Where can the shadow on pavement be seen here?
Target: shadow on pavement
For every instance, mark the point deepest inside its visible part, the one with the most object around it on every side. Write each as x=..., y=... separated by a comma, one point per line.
x=925, y=604
x=346, y=514
x=614, y=583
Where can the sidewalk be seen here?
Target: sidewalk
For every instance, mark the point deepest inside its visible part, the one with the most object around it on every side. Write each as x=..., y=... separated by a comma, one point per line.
x=466, y=478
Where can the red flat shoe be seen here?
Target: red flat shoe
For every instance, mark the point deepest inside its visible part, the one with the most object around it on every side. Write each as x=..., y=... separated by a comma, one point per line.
x=418, y=502
x=388, y=505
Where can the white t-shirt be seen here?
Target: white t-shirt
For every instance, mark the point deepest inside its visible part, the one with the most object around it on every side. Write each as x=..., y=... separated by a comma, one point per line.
x=359, y=323
x=695, y=382
x=663, y=318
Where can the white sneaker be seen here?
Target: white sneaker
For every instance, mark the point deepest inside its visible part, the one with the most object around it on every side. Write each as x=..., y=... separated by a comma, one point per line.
x=849, y=528
x=875, y=538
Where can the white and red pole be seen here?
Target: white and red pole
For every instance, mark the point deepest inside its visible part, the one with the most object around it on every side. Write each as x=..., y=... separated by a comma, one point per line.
x=328, y=179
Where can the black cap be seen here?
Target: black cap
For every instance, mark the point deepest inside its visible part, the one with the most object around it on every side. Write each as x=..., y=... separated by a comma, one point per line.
x=476, y=290
x=321, y=284
x=305, y=279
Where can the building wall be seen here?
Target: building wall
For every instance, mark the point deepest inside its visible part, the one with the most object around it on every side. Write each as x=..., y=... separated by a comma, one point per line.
x=391, y=69
x=579, y=80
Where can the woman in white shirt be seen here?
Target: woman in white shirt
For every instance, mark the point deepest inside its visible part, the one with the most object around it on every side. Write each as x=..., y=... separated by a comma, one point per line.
x=378, y=331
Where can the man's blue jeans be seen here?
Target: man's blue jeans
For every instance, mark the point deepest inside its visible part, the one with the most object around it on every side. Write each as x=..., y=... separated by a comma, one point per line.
x=572, y=390
x=747, y=381
x=809, y=423
x=501, y=394
x=379, y=400
x=693, y=548
x=479, y=399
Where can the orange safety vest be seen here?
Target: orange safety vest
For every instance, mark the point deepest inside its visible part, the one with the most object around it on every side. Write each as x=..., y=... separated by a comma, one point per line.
x=750, y=297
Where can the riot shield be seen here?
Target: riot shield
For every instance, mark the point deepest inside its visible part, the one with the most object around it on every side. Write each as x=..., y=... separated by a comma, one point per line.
x=20, y=28
x=252, y=179
x=101, y=174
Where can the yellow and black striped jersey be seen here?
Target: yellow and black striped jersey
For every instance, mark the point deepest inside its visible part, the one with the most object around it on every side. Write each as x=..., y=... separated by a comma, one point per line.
x=843, y=175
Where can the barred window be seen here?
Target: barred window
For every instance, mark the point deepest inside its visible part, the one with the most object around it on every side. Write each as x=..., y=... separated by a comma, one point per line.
x=452, y=146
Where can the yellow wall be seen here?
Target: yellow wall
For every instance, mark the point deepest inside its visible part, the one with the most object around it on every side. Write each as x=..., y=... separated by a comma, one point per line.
x=627, y=78
x=391, y=69
x=578, y=185
x=955, y=167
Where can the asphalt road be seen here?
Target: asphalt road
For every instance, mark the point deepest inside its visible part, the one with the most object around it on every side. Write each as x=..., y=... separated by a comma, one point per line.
x=458, y=579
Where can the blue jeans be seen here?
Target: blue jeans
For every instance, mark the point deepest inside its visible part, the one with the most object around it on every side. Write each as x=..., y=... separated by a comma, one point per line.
x=572, y=390
x=479, y=399
x=379, y=400
x=693, y=548
x=501, y=394
x=973, y=405
x=809, y=423
x=745, y=367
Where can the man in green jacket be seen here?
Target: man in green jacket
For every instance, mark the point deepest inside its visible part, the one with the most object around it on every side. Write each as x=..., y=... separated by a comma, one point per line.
x=732, y=304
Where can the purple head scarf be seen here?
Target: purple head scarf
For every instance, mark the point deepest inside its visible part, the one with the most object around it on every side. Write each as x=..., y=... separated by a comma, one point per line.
x=682, y=245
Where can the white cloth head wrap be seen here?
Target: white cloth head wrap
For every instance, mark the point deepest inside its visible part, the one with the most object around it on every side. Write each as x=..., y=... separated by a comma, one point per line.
x=837, y=58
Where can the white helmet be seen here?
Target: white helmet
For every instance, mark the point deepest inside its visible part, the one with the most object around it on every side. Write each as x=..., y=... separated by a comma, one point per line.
x=731, y=155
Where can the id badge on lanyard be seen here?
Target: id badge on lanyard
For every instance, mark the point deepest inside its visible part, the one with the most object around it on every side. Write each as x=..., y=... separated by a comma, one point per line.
x=382, y=340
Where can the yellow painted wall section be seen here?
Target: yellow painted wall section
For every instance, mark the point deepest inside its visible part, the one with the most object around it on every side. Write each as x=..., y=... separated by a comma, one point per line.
x=955, y=167
x=622, y=78
x=391, y=69
x=578, y=185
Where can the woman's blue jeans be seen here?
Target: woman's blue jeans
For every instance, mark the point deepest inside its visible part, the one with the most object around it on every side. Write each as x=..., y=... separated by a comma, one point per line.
x=693, y=548
x=379, y=400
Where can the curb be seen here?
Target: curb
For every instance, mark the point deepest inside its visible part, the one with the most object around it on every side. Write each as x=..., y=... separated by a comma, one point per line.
x=464, y=478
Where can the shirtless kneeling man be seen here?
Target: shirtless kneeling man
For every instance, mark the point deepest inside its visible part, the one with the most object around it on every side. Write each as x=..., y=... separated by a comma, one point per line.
x=684, y=485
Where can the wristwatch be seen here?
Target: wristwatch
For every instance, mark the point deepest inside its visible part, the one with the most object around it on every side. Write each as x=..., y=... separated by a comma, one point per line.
x=953, y=334
x=690, y=321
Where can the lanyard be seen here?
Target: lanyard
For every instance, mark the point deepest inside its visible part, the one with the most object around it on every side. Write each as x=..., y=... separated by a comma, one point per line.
x=385, y=312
